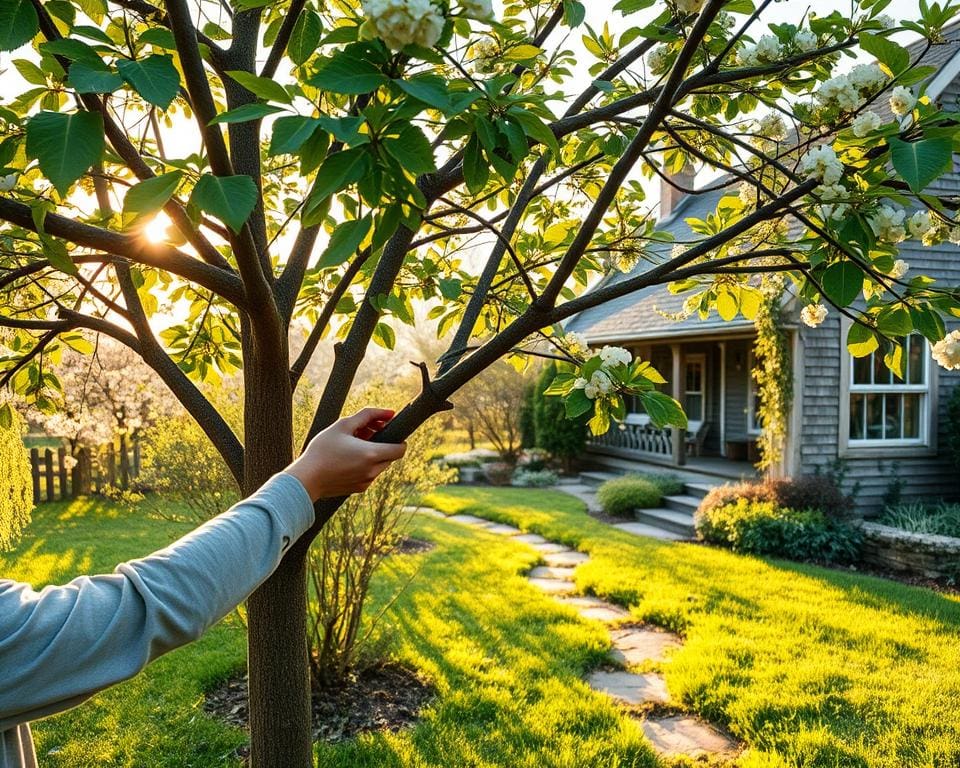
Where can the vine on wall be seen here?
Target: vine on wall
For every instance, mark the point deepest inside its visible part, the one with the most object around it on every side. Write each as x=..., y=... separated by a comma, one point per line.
x=772, y=373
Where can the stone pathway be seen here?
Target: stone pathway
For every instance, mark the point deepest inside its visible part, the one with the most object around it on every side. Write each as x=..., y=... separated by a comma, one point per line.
x=632, y=645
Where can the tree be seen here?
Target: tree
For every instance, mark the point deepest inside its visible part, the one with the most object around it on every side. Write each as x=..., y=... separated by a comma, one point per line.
x=348, y=155
x=492, y=404
x=16, y=488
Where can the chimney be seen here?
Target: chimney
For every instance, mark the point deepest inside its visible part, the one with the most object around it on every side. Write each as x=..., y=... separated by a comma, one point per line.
x=670, y=196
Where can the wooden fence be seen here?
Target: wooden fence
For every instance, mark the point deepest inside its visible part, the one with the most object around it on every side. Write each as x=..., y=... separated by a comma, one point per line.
x=57, y=476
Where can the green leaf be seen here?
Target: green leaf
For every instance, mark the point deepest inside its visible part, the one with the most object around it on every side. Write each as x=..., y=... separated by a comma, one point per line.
x=522, y=52
x=432, y=90
x=577, y=403
x=56, y=253
x=305, y=37
x=476, y=173
x=230, y=198
x=6, y=416
x=30, y=72
x=65, y=145
x=929, y=323
x=18, y=23
x=345, y=73
x=895, y=56
x=384, y=336
x=85, y=78
x=261, y=87
x=861, y=340
x=535, y=128
x=290, y=132
x=842, y=282
x=411, y=148
x=344, y=241
x=160, y=37
x=75, y=50
x=152, y=194
x=894, y=321
x=154, y=78
x=560, y=385
x=336, y=172
x=663, y=410
x=920, y=162
x=245, y=113
x=574, y=13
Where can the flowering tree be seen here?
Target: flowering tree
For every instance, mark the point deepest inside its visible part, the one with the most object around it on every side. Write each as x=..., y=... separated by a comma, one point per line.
x=324, y=166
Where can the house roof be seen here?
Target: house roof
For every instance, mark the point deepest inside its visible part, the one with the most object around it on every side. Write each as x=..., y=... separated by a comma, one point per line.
x=645, y=314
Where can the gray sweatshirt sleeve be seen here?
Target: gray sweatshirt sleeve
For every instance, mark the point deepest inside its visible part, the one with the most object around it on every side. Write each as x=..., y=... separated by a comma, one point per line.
x=62, y=644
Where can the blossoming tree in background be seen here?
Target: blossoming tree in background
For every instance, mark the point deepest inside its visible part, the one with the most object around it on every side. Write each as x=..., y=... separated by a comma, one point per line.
x=324, y=166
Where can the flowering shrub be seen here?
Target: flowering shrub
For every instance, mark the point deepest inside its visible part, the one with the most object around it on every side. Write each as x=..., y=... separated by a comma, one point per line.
x=816, y=492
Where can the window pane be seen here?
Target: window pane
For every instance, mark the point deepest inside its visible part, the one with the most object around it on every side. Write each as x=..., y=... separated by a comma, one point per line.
x=892, y=418
x=694, y=374
x=911, y=416
x=861, y=369
x=915, y=359
x=874, y=417
x=881, y=374
x=856, y=417
x=694, y=407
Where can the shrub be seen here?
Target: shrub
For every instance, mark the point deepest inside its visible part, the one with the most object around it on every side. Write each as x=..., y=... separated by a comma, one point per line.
x=561, y=437
x=534, y=460
x=498, y=473
x=816, y=492
x=16, y=488
x=941, y=519
x=669, y=485
x=622, y=495
x=528, y=426
x=534, y=478
x=765, y=528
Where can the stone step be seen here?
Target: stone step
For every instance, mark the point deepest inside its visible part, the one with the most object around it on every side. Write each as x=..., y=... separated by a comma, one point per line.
x=668, y=519
x=699, y=490
x=629, y=687
x=550, y=548
x=565, y=558
x=598, y=610
x=682, y=503
x=637, y=645
x=503, y=529
x=550, y=572
x=650, y=531
x=479, y=522
x=554, y=586
x=596, y=478
x=530, y=538
x=680, y=735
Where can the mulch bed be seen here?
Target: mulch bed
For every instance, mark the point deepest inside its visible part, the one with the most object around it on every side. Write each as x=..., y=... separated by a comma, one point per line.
x=384, y=698
x=410, y=546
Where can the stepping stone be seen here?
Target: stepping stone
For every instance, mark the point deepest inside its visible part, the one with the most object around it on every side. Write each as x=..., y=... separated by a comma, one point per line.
x=548, y=547
x=554, y=586
x=546, y=572
x=683, y=735
x=565, y=558
x=470, y=520
x=532, y=538
x=635, y=646
x=630, y=688
x=651, y=532
x=426, y=512
x=503, y=530
x=598, y=610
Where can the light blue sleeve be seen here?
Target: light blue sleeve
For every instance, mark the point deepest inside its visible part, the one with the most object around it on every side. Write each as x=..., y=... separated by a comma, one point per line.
x=62, y=644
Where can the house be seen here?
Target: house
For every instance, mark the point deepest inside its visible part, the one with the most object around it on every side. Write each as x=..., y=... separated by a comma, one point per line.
x=883, y=431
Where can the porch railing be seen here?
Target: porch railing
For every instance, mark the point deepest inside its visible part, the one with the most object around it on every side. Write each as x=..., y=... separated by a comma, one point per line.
x=637, y=435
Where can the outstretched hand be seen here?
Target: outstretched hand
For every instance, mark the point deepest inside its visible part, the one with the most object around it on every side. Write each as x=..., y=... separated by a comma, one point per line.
x=341, y=460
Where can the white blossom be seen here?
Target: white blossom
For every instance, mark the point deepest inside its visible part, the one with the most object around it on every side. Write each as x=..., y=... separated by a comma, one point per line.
x=900, y=268
x=580, y=383
x=885, y=21
x=832, y=195
x=887, y=224
x=576, y=343
x=806, y=41
x=400, y=23
x=866, y=122
x=947, y=351
x=768, y=48
x=821, y=163
x=902, y=101
x=920, y=223
x=813, y=314
x=615, y=355
x=868, y=77
x=748, y=193
x=771, y=126
x=677, y=250
x=601, y=381
x=8, y=182
x=481, y=10
x=591, y=392
x=658, y=60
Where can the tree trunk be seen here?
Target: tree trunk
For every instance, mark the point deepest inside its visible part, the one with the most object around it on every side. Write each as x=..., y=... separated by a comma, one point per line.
x=279, y=678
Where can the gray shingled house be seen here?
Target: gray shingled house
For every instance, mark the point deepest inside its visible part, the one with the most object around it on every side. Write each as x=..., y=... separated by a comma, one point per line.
x=882, y=429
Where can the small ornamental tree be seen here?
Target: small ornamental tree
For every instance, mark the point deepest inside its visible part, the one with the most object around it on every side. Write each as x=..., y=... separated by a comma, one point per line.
x=16, y=489
x=323, y=165
x=562, y=437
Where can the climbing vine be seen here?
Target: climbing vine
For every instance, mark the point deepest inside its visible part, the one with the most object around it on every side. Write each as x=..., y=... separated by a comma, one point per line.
x=772, y=373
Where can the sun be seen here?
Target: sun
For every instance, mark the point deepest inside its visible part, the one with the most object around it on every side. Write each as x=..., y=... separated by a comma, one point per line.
x=156, y=229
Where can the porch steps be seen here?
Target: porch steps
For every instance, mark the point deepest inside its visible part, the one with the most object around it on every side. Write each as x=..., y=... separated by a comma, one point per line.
x=596, y=478
x=700, y=490
x=667, y=520
x=684, y=502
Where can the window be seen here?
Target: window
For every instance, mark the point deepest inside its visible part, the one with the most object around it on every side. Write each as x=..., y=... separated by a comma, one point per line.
x=694, y=391
x=753, y=399
x=885, y=409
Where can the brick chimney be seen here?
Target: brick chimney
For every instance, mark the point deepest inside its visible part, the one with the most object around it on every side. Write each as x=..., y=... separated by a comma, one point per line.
x=670, y=196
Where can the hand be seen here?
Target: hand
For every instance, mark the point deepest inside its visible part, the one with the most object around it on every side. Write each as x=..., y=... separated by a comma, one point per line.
x=341, y=460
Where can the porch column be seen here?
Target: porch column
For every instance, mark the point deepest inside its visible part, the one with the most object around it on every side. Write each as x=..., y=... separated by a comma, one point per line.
x=723, y=397
x=679, y=435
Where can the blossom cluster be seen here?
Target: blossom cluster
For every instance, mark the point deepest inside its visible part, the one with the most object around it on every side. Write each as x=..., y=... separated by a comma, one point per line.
x=832, y=197
x=902, y=101
x=887, y=224
x=813, y=314
x=866, y=122
x=481, y=10
x=850, y=91
x=771, y=126
x=821, y=163
x=601, y=382
x=400, y=23
x=576, y=343
x=947, y=351
x=769, y=49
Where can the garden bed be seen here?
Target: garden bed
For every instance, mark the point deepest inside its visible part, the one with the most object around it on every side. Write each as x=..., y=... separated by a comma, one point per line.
x=920, y=554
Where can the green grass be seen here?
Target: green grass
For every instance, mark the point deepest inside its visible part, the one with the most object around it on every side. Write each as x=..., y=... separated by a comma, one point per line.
x=506, y=661
x=810, y=667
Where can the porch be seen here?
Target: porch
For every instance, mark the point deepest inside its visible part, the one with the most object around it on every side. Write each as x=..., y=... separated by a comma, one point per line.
x=711, y=379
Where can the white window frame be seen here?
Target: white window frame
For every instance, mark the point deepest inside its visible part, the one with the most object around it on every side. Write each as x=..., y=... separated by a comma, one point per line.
x=701, y=358
x=924, y=445
x=753, y=426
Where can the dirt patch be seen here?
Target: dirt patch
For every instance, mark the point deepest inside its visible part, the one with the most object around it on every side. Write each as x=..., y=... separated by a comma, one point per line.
x=385, y=698
x=410, y=546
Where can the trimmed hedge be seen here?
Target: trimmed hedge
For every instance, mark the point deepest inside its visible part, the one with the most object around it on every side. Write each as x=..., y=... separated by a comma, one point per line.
x=817, y=492
x=622, y=495
x=16, y=488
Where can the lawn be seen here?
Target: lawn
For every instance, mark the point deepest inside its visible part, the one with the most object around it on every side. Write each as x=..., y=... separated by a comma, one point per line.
x=810, y=667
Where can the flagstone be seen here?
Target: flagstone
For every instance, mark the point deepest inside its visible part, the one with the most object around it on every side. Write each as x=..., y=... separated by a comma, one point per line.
x=554, y=586
x=565, y=558
x=548, y=572
x=683, y=735
x=633, y=645
x=503, y=529
x=470, y=520
x=549, y=547
x=630, y=688
x=533, y=538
